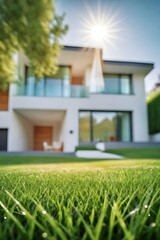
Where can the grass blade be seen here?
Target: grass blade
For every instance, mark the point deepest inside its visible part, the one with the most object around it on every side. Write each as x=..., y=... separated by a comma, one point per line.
x=16, y=221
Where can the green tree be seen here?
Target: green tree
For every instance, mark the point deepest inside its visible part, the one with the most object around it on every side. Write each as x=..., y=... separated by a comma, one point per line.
x=34, y=28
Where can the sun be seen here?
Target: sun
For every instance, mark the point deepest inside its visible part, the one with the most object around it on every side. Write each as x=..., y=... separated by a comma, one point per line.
x=98, y=32
x=100, y=27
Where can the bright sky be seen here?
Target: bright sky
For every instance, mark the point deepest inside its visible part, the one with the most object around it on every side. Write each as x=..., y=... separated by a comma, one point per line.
x=135, y=24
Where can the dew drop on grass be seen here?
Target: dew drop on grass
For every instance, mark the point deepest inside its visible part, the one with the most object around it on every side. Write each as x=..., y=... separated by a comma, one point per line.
x=23, y=213
x=153, y=224
x=44, y=235
x=5, y=217
x=44, y=212
x=134, y=211
x=146, y=206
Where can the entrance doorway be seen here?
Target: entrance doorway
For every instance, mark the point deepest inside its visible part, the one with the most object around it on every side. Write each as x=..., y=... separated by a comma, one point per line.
x=42, y=134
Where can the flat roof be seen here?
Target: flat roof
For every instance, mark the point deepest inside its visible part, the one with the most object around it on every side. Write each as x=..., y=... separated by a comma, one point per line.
x=122, y=63
x=129, y=63
x=75, y=48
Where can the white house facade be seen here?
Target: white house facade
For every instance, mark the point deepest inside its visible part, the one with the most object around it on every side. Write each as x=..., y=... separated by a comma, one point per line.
x=61, y=107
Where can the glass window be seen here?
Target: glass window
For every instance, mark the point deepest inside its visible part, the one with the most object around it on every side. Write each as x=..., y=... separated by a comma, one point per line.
x=57, y=85
x=53, y=87
x=125, y=85
x=30, y=86
x=84, y=126
x=104, y=126
x=111, y=83
x=30, y=81
x=124, y=127
x=66, y=82
x=118, y=84
x=40, y=87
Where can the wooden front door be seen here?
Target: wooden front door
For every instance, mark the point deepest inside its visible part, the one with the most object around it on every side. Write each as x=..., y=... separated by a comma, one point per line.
x=42, y=134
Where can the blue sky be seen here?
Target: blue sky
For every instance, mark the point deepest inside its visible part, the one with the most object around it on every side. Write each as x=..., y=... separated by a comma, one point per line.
x=138, y=35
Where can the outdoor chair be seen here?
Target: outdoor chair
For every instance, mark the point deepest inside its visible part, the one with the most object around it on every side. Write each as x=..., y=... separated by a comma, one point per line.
x=57, y=146
x=47, y=147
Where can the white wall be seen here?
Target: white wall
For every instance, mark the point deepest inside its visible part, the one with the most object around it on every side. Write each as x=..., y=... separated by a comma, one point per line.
x=4, y=119
x=56, y=131
x=20, y=133
x=155, y=137
x=70, y=130
x=140, y=117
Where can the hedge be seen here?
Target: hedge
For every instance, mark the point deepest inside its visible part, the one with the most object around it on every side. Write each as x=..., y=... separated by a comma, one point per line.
x=153, y=103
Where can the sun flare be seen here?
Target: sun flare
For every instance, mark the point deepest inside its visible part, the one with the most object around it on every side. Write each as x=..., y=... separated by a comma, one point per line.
x=100, y=27
x=98, y=32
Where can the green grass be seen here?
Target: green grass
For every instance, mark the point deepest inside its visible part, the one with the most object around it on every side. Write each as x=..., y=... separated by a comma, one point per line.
x=135, y=153
x=66, y=198
x=85, y=148
x=138, y=153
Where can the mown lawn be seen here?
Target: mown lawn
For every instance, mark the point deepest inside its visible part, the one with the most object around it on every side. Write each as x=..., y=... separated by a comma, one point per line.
x=138, y=153
x=67, y=198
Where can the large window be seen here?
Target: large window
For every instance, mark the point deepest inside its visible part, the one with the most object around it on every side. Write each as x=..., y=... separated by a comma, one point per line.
x=51, y=86
x=117, y=84
x=85, y=126
x=58, y=85
x=105, y=126
x=124, y=126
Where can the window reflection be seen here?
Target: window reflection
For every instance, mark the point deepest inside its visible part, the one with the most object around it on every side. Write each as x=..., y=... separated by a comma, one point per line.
x=84, y=126
x=117, y=84
x=30, y=86
x=125, y=85
x=104, y=126
x=124, y=127
x=111, y=84
x=53, y=87
x=40, y=87
x=50, y=86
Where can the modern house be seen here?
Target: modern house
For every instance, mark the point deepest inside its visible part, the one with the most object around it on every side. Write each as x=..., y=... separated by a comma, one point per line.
x=62, y=108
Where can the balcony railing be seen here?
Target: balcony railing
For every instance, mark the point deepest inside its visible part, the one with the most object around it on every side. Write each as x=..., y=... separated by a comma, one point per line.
x=64, y=91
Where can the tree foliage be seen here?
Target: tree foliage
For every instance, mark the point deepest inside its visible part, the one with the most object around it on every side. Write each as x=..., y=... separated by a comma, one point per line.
x=34, y=28
x=153, y=103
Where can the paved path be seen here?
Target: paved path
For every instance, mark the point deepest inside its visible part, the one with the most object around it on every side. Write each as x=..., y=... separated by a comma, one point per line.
x=96, y=154
x=37, y=153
